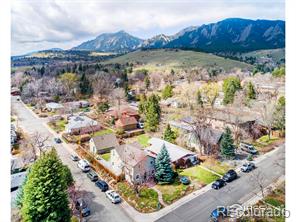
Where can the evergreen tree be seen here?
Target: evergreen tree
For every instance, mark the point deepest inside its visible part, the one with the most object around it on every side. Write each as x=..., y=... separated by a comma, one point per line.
x=45, y=197
x=227, y=146
x=147, y=82
x=199, y=99
x=85, y=85
x=169, y=135
x=251, y=93
x=167, y=92
x=152, y=113
x=164, y=172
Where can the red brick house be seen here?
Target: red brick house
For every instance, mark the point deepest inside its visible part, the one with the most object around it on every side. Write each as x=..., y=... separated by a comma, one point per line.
x=124, y=111
x=126, y=123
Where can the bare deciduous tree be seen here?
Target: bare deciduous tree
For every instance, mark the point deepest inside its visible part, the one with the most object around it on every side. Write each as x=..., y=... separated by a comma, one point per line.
x=38, y=144
x=267, y=115
x=102, y=85
x=118, y=95
x=257, y=179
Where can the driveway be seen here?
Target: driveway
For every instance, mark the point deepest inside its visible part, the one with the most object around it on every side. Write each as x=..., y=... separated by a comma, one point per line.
x=101, y=208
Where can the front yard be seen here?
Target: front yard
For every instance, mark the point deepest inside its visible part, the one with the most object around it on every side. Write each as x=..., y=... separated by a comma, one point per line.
x=173, y=192
x=102, y=132
x=58, y=126
x=145, y=201
x=199, y=174
x=215, y=165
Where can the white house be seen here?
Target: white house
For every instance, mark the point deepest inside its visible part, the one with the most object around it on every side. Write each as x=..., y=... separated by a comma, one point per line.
x=54, y=106
x=82, y=125
x=133, y=162
x=179, y=156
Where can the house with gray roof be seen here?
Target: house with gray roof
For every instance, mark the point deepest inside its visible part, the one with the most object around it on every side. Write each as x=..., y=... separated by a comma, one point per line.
x=82, y=125
x=179, y=156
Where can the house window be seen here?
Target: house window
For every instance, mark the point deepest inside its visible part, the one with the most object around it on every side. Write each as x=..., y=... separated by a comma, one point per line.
x=151, y=162
x=137, y=177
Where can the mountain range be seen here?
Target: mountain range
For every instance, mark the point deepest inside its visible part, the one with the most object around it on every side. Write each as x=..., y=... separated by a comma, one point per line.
x=229, y=35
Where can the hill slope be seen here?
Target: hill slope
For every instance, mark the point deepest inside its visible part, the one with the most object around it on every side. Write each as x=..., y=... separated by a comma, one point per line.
x=168, y=58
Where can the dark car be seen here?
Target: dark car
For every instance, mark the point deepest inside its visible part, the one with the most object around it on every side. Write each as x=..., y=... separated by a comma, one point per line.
x=247, y=167
x=218, y=184
x=218, y=213
x=102, y=185
x=92, y=175
x=184, y=180
x=229, y=176
x=81, y=206
x=57, y=140
x=249, y=148
x=74, y=157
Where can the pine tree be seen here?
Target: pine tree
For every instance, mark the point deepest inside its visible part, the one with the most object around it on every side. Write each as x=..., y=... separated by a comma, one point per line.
x=85, y=85
x=251, y=93
x=152, y=113
x=167, y=92
x=169, y=135
x=147, y=82
x=227, y=146
x=45, y=195
x=164, y=172
x=199, y=99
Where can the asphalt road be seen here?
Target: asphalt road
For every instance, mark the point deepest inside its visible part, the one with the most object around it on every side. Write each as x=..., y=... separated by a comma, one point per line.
x=101, y=208
x=238, y=191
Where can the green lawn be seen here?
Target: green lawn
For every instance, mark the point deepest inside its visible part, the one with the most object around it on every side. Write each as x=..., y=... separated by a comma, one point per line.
x=199, y=174
x=145, y=201
x=103, y=132
x=217, y=166
x=143, y=140
x=172, y=192
x=106, y=156
x=58, y=126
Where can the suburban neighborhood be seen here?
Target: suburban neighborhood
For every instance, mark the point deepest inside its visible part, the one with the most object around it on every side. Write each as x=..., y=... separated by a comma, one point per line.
x=149, y=133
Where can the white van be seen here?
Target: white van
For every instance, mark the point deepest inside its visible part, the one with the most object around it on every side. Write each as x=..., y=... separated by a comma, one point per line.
x=84, y=165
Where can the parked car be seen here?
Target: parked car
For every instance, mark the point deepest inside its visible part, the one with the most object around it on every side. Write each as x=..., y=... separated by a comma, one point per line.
x=184, y=180
x=57, y=140
x=249, y=148
x=229, y=176
x=82, y=207
x=92, y=175
x=247, y=167
x=74, y=157
x=84, y=165
x=113, y=196
x=102, y=185
x=141, y=125
x=218, y=184
x=218, y=213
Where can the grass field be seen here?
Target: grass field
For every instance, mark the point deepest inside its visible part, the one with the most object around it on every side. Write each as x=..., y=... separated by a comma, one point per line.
x=275, y=54
x=143, y=140
x=216, y=166
x=199, y=174
x=167, y=59
x=103, y=132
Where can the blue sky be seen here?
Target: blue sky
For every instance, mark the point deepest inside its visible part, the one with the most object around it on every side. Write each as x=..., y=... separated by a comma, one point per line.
x=47, y=24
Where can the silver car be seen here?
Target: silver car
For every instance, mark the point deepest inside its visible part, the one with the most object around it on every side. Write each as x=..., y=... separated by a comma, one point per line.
x=113, y=196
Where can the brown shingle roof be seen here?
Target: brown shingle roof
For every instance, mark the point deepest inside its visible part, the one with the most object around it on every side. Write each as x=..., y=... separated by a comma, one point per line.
x=126, y=120
x=105, y=141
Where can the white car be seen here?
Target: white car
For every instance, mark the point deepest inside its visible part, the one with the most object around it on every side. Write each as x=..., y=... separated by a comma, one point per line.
x=84, y=165
x=113, y=196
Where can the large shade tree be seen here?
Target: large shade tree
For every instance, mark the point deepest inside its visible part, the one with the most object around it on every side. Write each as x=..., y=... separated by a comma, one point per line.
x=45, y=195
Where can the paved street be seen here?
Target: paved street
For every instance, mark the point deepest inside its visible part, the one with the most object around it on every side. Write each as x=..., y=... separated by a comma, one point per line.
x=101, y=208
x=238, y=191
